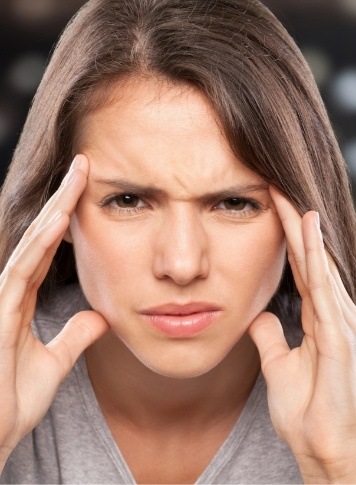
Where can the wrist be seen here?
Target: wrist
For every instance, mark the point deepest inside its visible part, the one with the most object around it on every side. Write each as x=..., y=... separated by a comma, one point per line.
x=318, y=471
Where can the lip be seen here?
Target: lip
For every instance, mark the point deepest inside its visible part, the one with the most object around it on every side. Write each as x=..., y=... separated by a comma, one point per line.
x=182, y=321
x=181, y=309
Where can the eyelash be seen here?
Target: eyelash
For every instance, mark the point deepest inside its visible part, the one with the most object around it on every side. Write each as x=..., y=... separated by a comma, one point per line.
x=108, y=204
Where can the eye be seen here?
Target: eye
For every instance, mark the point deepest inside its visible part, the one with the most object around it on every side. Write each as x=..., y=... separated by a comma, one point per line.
x=127, y=201
x=239, y=206
x=234, y=204
x=124, y=203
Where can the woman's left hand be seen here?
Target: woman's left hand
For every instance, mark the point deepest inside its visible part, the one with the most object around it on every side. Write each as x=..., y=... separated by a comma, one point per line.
x=312, y=388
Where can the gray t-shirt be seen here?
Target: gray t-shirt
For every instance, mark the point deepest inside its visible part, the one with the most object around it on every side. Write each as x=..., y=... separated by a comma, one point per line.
x=73, y=444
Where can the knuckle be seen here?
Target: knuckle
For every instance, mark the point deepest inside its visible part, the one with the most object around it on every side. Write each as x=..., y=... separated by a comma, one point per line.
x=321, y=284
x=83, y=327
x=299, y=260
x=323, y=323
x=14, y=271
x=304, y=292
x=315, y=285
x=7, y=340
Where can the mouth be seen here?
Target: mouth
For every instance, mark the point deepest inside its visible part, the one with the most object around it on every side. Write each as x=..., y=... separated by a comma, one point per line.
x=182, y=320
x=181, y=309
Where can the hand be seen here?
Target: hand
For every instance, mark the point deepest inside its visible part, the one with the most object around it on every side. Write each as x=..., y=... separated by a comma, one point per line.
x=312, y=389
x=30, y=372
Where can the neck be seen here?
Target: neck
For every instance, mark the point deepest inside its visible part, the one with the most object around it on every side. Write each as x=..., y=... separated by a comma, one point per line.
x=127, y=389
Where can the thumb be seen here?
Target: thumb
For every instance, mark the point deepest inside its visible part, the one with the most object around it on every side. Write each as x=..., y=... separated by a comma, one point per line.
x=267, y=334
x=81, y=331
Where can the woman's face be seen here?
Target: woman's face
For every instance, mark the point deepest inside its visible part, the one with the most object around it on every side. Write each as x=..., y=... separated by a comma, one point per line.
x=174, y=242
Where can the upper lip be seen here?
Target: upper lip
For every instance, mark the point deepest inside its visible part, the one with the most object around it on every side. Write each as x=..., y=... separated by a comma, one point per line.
x=179, y=309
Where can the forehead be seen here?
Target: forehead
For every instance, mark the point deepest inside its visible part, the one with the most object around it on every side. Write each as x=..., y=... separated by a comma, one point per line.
x=152, y=103
x=150, y=126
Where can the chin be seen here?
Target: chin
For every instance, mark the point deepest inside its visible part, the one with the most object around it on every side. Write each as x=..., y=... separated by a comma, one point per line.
x=183, y=362
x=179, y=372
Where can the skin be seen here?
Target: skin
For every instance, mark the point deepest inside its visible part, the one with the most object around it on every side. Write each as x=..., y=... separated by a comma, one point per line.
x=318, y=422
x=175, y=248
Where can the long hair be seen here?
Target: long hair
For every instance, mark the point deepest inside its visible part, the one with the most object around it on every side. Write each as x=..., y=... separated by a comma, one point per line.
x=261, y=88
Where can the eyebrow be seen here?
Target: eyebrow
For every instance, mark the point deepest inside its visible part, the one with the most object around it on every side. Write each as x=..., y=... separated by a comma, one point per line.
x=126, y=186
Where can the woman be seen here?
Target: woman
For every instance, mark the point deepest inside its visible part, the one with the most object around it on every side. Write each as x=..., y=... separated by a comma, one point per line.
x=182, y=238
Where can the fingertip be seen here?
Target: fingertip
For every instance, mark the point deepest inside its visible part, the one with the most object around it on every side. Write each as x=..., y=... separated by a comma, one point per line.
x=94, y=320
x=311, y=231
x=314, y=218
x=263, y=324
x=81, y=331
x=267, y=334
x=81, y=162
x=277, y=197
x=273, y=190
x=267, y=317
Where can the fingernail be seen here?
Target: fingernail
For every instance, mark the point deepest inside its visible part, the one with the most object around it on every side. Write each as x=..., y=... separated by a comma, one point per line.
x=69, y=175
x=54, y=218
x=317, y=219
x=76, y=163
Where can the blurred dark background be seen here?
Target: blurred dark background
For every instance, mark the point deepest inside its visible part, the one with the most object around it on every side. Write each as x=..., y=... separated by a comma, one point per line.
x=325, y=30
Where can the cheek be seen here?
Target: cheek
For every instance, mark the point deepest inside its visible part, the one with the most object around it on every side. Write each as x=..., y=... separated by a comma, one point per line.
x=108, y=256
x=253, y=257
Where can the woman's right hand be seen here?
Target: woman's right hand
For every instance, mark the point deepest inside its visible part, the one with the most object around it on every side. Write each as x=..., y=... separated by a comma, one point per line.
x=31, y=372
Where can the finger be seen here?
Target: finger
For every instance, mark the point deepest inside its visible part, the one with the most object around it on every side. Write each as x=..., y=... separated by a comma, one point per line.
x=289, y=216
x=347, y=305
x=301, y=287
x=75, y=180
x=81, y=331
x=267, y=333
x=18, y=278
x=26, y=249
x=307, y=311
x=292, y=225
x=30, y=299
x=329, y=322
x=63, y=199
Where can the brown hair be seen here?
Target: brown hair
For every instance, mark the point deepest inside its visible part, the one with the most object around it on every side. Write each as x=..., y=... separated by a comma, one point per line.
x=240, y=56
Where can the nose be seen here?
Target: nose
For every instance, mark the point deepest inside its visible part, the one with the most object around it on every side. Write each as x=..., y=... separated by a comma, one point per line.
x=181, y=248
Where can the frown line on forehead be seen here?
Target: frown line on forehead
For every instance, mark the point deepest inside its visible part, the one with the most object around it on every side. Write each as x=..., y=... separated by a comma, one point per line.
x=129, y=187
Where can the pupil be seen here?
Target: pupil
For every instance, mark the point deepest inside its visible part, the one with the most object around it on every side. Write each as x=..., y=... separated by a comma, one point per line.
x=128, y=199
x=235, y=202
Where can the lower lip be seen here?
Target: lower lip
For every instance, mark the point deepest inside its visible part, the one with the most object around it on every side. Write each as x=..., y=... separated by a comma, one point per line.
x=182, y=326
